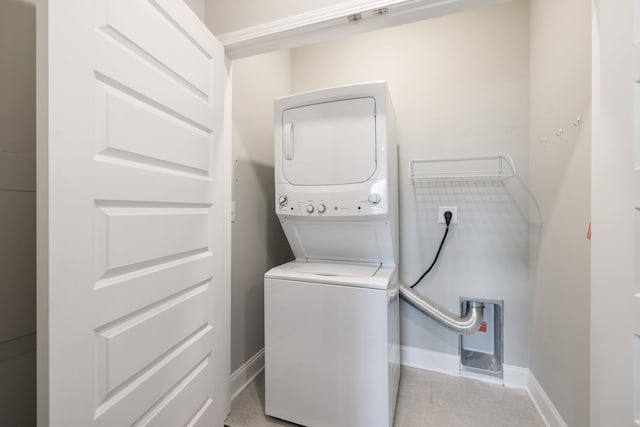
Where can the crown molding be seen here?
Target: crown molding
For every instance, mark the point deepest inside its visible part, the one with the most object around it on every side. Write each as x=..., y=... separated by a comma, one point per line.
x=332, y=22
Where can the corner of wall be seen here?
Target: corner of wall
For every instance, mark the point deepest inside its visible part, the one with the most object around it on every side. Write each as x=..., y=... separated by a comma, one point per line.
x=256, y=233
x=559, y=147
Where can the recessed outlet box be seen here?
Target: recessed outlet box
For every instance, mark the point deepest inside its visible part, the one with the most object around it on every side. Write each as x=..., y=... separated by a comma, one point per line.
x=443, y=209
x=483, y=351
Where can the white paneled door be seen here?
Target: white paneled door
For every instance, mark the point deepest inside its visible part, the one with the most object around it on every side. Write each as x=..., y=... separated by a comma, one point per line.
x=615, y=295
x=133, y=224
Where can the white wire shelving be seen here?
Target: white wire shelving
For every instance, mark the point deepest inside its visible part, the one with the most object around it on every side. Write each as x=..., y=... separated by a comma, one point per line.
x=480, y=177
x=463, y=169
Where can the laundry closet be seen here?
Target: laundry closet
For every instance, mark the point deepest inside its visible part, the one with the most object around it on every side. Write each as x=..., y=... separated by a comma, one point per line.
x=503, y=79
x=464, y=85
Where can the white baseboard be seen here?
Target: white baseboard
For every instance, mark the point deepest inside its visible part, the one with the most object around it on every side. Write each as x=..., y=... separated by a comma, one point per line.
x=241, y=378
x=513, y=377
x=516, y=377
x=429, y=360
x=543, y=404
x=449, y=364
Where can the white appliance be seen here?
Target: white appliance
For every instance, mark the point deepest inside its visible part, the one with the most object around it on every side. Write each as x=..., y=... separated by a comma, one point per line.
x=331, y=316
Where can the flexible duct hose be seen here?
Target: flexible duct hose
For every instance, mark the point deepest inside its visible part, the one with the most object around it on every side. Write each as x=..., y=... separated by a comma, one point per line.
x=462, y=325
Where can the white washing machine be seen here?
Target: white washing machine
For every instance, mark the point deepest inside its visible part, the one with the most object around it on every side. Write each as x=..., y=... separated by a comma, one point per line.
x=331, y=344
x=331, y=316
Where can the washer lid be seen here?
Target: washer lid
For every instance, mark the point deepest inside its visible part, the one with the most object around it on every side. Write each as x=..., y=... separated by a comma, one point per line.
x=359, y=275
x=334, y=269
x=330, y=143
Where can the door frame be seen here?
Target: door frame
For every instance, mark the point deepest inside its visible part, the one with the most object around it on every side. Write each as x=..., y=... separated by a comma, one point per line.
x=615, y=270
x=42, y=209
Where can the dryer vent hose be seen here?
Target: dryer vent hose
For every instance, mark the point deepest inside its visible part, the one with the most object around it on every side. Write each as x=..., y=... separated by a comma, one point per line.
x=461, y=325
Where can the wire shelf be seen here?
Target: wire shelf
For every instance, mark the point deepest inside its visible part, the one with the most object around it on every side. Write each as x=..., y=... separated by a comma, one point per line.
x=463, y=169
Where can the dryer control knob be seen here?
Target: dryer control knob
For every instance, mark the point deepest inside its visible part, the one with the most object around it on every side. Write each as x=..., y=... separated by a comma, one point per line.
x=374, y=198
x=322, y=208
x=310, y=208
x=282, y=200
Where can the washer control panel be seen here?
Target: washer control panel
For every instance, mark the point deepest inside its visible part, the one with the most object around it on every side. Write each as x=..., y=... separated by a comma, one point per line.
x=331, y=205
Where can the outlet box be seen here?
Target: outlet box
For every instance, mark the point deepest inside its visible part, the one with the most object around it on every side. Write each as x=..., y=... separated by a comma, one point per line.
x=443, y=209
x=483, y=352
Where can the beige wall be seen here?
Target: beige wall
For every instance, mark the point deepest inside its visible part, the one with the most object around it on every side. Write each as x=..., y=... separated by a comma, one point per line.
x=17, y=212
x=560, y=57
x=227, y=16
x=257, y=239
x=198, y=7
x=459, y=85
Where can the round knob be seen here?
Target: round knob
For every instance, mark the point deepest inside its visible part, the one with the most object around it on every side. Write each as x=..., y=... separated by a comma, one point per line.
x=374, y=198
x=310, y=208
x=322, y=208
x=282, y=200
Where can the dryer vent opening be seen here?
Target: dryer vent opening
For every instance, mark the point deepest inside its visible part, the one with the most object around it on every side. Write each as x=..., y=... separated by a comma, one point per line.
x=482, y=352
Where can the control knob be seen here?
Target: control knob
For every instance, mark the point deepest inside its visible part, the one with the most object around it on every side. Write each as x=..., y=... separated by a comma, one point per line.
x=310, y=208
x=322, y=208
x=283, y=199
x=374, y=198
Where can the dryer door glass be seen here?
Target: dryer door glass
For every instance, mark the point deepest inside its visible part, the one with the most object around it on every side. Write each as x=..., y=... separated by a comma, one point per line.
x=329, y=143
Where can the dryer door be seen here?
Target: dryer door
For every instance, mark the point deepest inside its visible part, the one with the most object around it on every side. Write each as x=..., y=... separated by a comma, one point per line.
x=329, y=143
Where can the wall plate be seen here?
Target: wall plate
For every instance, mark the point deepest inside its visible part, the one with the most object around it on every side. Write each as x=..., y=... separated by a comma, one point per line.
x=443, y=209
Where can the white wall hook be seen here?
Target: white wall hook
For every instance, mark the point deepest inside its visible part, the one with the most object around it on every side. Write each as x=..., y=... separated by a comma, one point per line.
x=577, y=122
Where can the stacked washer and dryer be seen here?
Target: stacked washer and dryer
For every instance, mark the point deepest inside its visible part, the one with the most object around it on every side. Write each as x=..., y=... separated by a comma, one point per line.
x=332, y=354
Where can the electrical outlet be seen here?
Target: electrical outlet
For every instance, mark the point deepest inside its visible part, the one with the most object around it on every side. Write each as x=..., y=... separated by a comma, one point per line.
x=452, y=209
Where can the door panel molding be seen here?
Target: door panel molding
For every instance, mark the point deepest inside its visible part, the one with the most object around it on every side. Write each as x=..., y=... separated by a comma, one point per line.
x=134, y=187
